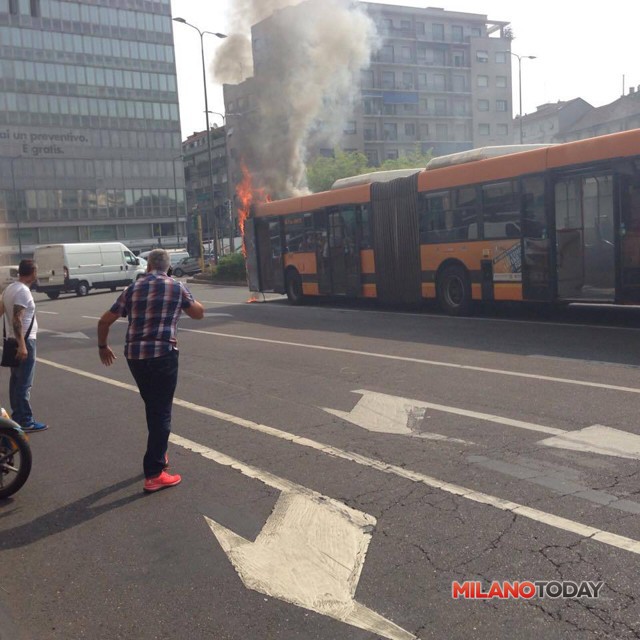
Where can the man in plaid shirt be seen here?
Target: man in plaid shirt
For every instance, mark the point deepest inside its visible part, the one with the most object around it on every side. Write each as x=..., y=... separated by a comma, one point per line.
x=153, y=305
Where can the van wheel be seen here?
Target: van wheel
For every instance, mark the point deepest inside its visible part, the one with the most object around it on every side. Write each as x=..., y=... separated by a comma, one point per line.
x=454, y=291
x=294, y=287
x=114, y=289
x=178, y=273
x=53, y=295
x=82, y=289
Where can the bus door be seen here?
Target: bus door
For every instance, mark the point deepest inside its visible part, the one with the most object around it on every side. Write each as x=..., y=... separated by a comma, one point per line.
x=630, y=235
x=322, y=252
x=585, y=248
x=269, y=255
x=344, y=254
x=536, y=245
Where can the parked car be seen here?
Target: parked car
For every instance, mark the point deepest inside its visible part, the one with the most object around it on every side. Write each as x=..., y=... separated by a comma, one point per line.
x=186, y=267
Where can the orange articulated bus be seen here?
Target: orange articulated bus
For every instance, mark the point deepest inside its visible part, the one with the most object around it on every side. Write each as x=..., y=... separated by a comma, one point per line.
x=555, y=224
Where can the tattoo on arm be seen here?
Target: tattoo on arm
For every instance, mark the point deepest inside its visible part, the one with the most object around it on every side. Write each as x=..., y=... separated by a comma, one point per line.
x=18, y=313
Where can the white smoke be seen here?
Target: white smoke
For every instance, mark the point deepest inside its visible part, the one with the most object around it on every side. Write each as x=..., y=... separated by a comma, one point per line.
x=306, y=84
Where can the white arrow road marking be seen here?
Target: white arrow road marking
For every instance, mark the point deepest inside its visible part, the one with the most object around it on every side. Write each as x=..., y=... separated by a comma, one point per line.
x=390, y=414
x=598, y=439
x=387, y=413
x=582, y=530
x=310, y=552
x=78, y=335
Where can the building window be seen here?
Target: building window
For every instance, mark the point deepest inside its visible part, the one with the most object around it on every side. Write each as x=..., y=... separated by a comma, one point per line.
x=503, y=129
x=386, y=53
x=440, y=106
x=35, y=8
x=442, y=132
x=458, y=59
x=439, y=82
x=483, y=105
x=405, y=25
x=484, y=129
x=410, y=130
x=420, y=30
x=459, y=84
x=501, y=105
x=476, y=32
x=392, y=154
x=456, y=33
x=437, y=31
x=370, y=132
x=13, y=7
x=501, y=82
x=501, y=57
x=407, y=80
x=390, y=131
x=405, y=52
x=388, y=80
x=350, y=127
x=482, y=56
x=366, y=79
x=483, y=81
x=424, y=132
x=372, y=157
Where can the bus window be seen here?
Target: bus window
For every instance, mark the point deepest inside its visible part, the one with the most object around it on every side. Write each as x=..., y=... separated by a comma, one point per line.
x=500, y=210
x=298, y=231
x=434, y=226
x=466, y=213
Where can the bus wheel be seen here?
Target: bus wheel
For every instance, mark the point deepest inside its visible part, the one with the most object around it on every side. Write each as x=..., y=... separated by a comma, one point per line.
x=454, y=291
x=294, y=287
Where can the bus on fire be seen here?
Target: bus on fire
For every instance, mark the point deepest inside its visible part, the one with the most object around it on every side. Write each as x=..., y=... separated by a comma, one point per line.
x=555, y=224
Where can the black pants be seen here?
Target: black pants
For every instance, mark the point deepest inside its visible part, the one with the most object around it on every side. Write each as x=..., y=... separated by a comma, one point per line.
x=157, y=379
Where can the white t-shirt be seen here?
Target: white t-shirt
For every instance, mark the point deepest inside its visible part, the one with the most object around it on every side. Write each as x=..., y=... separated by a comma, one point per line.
x=18, y=293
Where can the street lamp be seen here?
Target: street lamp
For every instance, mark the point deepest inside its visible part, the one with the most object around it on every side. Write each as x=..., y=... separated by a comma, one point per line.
x=520, y=58
x=175, y=195
x=206, y=110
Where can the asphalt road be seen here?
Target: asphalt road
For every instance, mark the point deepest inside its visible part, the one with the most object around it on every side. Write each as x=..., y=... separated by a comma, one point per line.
x=342, y=465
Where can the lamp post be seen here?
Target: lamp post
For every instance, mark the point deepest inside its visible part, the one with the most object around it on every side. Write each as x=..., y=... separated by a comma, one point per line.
x=520, y=58
x=206, y=110
x=175, y=196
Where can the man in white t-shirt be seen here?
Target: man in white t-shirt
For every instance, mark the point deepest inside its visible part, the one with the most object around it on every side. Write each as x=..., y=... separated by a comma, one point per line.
x=19, y=317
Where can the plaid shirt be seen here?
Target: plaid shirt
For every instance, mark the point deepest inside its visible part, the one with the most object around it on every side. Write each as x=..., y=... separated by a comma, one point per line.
x=153, y=305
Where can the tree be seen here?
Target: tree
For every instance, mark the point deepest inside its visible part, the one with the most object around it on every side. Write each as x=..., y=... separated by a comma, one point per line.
x=323, y=172
x=414, y=160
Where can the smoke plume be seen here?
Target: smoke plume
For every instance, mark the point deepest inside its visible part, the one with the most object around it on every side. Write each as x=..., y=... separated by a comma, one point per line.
x=308, y=60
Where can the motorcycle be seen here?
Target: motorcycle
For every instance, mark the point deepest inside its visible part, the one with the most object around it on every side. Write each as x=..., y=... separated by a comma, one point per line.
x=15, y=456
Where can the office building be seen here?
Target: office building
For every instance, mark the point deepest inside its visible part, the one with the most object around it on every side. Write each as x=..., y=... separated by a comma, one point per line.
x=90, y=139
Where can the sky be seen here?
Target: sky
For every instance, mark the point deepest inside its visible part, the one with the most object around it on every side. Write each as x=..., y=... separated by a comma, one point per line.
x=580, y=52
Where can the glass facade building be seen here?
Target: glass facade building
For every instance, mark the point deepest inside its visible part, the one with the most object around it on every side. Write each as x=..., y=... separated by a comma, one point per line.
x=90, y=139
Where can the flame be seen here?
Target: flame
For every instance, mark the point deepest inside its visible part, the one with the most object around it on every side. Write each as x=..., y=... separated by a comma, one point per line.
x=247, y=195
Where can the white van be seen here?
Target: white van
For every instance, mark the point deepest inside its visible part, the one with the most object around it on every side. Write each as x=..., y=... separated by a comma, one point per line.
x=79, y=267
x=7, y=276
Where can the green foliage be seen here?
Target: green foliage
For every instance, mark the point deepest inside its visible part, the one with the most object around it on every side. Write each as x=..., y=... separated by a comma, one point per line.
x=231, y=268
x=416, y=159
x=323, y=172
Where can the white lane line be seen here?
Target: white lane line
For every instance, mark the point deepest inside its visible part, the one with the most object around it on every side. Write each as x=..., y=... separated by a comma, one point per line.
x=51, y=313
x=583, y=530
x=432, y=363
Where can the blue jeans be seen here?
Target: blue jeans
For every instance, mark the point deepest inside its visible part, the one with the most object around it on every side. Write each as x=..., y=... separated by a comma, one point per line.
x=156, y=379
x=20, y=384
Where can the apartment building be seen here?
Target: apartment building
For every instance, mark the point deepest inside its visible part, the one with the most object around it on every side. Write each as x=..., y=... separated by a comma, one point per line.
x=89, y=124
x=440, y=80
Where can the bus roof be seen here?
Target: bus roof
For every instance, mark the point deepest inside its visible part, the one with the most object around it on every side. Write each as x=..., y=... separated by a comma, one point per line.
x=616, y=145
x=350, y=195
x=374, y=176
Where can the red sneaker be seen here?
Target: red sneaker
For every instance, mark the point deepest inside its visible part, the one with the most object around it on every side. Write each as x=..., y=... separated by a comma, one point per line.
x=161, y=481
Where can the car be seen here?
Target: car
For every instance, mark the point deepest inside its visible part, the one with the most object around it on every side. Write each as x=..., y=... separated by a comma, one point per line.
x=187, y=267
